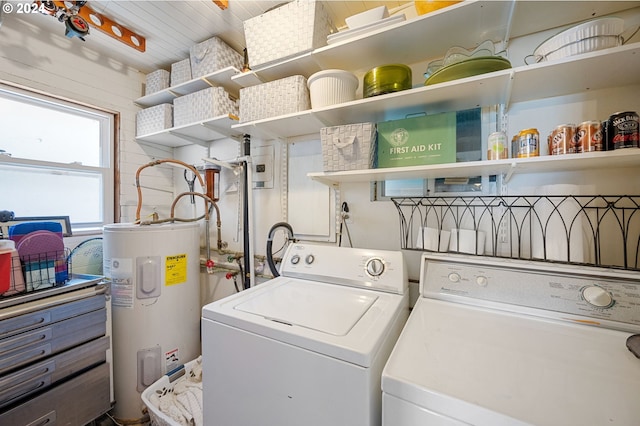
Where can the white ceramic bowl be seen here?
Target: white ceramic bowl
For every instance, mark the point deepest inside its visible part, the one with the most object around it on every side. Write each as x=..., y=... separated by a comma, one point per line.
x=586, y=37
x=332, y=87
x=367, y=17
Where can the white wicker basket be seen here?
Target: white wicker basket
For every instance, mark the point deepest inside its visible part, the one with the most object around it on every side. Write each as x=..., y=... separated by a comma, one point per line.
x=348, y=147
x=279, y=97
x=163, y=387
x=203, y=105
x=180, y=72
x=291, y=29
x=156, y=81
x=154, y=119
x=212, y=55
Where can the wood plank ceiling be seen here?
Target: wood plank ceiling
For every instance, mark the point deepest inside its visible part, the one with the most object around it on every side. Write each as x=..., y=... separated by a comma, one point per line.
x=172, y=26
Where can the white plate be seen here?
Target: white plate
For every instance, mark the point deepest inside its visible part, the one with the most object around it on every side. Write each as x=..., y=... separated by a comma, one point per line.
x=347, y=34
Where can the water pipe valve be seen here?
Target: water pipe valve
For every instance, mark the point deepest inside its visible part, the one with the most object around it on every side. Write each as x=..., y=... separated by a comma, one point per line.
x=210, y=264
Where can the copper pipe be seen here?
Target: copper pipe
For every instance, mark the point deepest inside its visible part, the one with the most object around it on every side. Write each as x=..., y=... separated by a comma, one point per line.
x=155, y=163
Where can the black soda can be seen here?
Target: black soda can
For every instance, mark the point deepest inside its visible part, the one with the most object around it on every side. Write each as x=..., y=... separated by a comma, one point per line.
x=622, y=130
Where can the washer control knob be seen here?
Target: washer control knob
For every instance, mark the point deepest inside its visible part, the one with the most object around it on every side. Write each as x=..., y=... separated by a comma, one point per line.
x=295, y=259
x=309, y=259
x=454, y=277
x=597, y=296
x=375, y=267
x=482, y=281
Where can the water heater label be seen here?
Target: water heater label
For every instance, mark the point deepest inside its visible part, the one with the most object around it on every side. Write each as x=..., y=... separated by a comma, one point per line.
x=172, y=359
x=121, y=274
x=175, y=269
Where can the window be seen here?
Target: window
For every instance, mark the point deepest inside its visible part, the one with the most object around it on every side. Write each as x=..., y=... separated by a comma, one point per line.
x=56, y=159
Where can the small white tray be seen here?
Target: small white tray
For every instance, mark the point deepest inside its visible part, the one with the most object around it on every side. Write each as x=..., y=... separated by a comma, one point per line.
x=347, y=34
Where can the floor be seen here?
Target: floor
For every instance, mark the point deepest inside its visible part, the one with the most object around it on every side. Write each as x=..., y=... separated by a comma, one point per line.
x=107, y=420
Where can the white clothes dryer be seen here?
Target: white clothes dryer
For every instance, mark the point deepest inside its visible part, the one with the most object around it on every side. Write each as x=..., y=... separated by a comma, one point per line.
x=495, y=342
x=308, y=347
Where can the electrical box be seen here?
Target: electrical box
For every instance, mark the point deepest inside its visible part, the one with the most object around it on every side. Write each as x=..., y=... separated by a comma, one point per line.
x=262, y=158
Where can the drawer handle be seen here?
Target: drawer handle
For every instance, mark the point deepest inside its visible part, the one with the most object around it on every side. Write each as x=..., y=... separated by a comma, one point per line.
x=19, y=393
x=25, y=340
x=24, y=357
x=47, y=419
x=20, y=325
x=13, y=380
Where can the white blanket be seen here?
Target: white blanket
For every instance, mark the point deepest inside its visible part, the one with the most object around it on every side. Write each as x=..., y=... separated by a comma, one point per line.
x=184, y=403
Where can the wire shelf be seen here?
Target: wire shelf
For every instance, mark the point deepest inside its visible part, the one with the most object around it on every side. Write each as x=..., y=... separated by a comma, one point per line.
x=35, y=272
x=591, y=230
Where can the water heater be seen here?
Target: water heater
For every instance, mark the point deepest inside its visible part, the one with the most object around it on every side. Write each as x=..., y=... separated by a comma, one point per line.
x=155, y=289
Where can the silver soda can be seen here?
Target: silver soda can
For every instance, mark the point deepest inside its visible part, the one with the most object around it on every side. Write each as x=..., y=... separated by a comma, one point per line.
x=528, y=143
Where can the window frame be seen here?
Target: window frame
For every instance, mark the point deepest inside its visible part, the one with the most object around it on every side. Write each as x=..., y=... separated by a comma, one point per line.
x=109, y=124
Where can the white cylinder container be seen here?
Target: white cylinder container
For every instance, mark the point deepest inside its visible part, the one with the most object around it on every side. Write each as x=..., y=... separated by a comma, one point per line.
x=155, y=294
x=332, y=87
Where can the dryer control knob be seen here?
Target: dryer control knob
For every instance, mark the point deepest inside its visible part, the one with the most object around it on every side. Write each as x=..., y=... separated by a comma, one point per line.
x=295, y=259
x=454, y=277
x=597, y=296
x=482, y=281
x=375, y=267
x=309, y=259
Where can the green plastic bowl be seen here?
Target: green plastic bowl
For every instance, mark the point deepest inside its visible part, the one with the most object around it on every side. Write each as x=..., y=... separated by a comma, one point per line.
x=386, y=79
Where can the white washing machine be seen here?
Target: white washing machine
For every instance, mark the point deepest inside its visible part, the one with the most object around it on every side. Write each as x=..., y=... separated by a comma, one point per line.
x=499, y=342
x=308, y=347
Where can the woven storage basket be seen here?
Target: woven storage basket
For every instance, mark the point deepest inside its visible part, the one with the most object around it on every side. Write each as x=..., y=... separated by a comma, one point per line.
x=203, y=105
x=163, y=388
x=154, y=119
x=212, y=55
x=348, y=147
x=279, y=97
x=180, y=72
x=157, y=81
x=296, y=27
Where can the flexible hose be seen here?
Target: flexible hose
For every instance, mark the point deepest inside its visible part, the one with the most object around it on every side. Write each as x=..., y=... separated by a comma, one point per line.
x=270, y=262
x=213, y=204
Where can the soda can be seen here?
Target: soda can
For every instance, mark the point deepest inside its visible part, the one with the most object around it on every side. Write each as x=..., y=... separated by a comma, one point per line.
x=589, y=136
x=515, y=140
x=622, y=130
x=528, y=143
x=561, y=140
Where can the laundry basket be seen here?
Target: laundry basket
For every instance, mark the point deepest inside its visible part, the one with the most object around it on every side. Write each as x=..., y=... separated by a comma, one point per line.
x=162, y=390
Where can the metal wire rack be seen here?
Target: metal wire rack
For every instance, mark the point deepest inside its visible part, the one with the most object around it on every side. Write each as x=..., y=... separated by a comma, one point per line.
x=34, y=272
x=592, y=230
